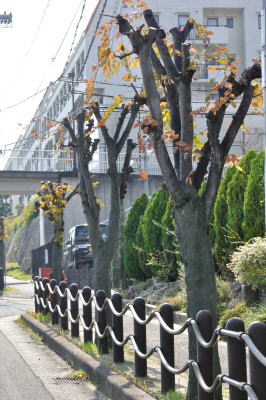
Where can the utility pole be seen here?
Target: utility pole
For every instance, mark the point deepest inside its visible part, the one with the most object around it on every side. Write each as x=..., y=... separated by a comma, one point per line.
x=2, y=254
x=263, y=26
x=71, y=76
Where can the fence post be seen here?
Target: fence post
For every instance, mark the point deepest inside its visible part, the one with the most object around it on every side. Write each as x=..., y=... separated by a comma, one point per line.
x=54, y=296
x=117, y=322
x=63, y=306
x=40, y=295
x=102, y=322
x=87, y=313
x=36, y=306
x=74, y=308
x=140, y=337
x=167, y=347
x=45, y=295
x=205, y=356
x=257, y=333
x=237, y=364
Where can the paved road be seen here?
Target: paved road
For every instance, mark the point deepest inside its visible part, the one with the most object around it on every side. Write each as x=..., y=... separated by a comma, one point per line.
x=28, y=368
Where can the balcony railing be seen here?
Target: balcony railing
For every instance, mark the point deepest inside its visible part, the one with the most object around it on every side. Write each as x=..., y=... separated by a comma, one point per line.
x=49, y=160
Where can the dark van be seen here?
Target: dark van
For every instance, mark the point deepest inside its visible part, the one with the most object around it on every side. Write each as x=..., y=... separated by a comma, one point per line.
x=78, y=249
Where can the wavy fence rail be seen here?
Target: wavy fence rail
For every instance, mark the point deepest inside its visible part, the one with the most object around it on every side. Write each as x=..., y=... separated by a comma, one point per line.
x=64, y=305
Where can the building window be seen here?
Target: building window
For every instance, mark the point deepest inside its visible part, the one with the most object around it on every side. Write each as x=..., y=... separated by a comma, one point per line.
x=259, y=21
x=230, y=22
x=182, y=20
x=212, y=21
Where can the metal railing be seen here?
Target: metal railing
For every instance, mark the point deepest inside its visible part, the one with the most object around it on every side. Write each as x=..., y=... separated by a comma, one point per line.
x=49, y=160
x=53, y=298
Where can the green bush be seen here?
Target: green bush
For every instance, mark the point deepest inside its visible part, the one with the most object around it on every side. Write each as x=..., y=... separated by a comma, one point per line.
x=247, y=314
x=131, y=256
x=178, y=301
x=154, y=212
x=169, y=243
x=221, y=243
x=235, y=198
x=253, y=222
x=238, y=310
x=149, y=235
x=27, y=214
x=248, y=263
x=224, y=290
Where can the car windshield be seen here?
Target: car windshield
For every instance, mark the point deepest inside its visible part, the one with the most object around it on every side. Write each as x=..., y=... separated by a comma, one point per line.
x=82, y=232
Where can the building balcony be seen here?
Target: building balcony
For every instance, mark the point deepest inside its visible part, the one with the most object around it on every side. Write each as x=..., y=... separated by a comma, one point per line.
x=204, y=74
x=219, y=36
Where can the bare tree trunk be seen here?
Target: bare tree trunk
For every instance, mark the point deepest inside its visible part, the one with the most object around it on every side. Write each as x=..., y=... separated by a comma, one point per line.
x=57, y=261
x=102, y=270
x=196, y=251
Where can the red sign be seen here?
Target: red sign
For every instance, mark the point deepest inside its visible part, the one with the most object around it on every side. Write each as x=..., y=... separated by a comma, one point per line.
x=45, y=273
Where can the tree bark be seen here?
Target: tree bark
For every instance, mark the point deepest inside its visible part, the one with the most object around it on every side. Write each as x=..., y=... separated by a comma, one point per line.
x=197, y=255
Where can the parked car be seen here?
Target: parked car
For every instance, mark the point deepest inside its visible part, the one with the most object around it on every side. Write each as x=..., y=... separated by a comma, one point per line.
x=78, y=249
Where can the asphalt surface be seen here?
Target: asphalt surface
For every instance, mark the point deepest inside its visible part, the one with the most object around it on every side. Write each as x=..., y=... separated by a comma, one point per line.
x=29, y=370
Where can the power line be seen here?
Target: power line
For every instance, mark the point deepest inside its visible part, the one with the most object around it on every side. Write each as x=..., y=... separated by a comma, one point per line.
x=31, y=43
x=75, y=34
x=92, y=40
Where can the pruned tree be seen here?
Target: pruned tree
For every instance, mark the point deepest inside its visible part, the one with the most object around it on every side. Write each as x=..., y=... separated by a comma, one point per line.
x=52, y=199
x=85, y=147
x=174, y=73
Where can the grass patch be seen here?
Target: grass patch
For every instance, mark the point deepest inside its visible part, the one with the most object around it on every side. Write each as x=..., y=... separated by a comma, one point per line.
x=8, y=289
x=13, y=270
x=44, y=318
x=31, y=332
x=172, y=396
x=78, y=374
x=90, y=348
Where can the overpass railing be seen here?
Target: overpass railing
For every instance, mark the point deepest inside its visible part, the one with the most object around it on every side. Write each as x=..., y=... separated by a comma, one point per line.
x=64, y=305
x=61, y=160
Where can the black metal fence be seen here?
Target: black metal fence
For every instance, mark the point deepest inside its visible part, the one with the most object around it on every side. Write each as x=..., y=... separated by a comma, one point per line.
x=63, y=304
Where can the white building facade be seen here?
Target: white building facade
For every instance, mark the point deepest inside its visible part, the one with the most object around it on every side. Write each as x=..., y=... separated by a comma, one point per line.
x=235, y=24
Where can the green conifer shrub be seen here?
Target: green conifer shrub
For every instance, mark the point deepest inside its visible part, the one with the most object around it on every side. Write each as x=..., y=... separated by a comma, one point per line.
x=253, y=221
x=235, y=199
x=221, y=244
x=131, y=254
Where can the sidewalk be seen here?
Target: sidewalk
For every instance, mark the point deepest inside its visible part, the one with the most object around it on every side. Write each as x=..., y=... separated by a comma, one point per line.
x=28, y=369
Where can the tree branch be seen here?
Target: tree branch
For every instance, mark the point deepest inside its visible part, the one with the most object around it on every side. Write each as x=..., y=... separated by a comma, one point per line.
x=237, y=120
x=98, y=116
x=133, y=115
x=70, y=129
x=220, y=151
x=202, y=166
x=180, y=36
x=172, y=100
x=162, y=47
x=121, y=120
x=127, y=169
x=73, y=193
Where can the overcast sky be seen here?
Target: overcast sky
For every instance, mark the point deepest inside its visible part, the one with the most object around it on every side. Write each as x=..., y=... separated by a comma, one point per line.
x=27, y=51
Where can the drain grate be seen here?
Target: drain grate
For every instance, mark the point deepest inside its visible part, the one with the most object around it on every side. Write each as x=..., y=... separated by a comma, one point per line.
x=65, y=381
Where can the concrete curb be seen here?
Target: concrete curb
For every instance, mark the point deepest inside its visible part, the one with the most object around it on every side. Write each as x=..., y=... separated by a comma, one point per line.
x=110, y=382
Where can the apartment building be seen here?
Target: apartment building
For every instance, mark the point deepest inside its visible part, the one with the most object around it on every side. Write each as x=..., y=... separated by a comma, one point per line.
x=235, y=24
